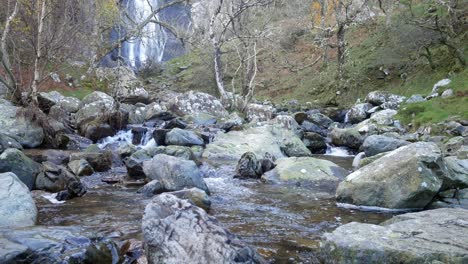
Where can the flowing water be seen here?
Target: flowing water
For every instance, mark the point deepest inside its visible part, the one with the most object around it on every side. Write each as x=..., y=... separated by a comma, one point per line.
x=283, y=222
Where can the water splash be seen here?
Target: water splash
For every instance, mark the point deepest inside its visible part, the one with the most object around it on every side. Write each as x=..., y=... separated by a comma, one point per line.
x=123, y=136
x=338, y=151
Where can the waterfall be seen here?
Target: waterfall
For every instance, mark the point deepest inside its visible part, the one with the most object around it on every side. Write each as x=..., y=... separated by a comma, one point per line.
x=150, y=45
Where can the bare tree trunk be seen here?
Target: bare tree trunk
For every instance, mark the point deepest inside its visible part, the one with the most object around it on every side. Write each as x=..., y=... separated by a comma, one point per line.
x=11, y=83
x=389, y=13
x=37, y=75
x=218, y=68
x=340, y=35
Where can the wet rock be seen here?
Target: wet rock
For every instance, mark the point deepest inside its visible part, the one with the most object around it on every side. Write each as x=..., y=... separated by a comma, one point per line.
x=315, y=143
x=195, y=102
x=408, y=177
x=358, y=113
x=100, y=161
x=232, y=145
x=13, y=160
x=74, y=189
x=181, y=137
x=17, y=207
x=349, y=137
x=134, y=164
x=7, y=142
x=385, y=99
x=457, y=176
x=96, y=131
x=55, y=245
x=174, y=173
x=314, y=128
x=196, y=196
x=306, y=171
x=159, y=136
x=80, y=167
x=260, y=113
x=77, y=142
x=54, y=178
x=248, y=166
x=175, y=231
x=300, y=117
x=435, y=236
x=93, y=111
x=26, y=133
x=126, y=149
x=376, y=144
x=319, y=119
x=152, y=188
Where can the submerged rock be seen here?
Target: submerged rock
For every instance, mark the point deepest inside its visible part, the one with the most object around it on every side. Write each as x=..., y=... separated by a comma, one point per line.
x=174, y=173
x=175, y=231
x=55, y=244
x=17, y=207
x=408, y=177
x=435, y=236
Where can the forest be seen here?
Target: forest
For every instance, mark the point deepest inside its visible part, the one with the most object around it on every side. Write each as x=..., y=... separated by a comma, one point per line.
x=233, y=131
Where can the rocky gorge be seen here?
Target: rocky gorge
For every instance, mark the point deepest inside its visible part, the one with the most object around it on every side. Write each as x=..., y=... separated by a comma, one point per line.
x=171, y=177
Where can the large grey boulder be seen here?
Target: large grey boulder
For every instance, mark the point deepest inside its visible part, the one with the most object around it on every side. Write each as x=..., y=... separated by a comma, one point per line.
x=70, y=104
x=124, y=84
x=7, y=142
x=97, y=96
x=17, y=207
x=195, y=102
x=275, y=140
x=48, y=99
x=349, y=137
x=13, y=160
x=175, y=231
x=260, y=112
x=435, y=236
x=306, y=171
x=358, y=113
x=55, y=244
x=182, y=137
x=28, y=134
x=457, y=176
x=385, y=99
x=80, y=167
x=100, y=161
x=376, y=144
x=174, y=173
x=315, y=143
x=408, y=177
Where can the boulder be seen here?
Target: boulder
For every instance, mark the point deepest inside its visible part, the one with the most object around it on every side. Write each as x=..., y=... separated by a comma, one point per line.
x=155, y=111
x=300, y=117
x=153, y=187
x=435, y=236
x=199, y=119
x=260, y=113
x=13, y=160
x=134, y=164
x=306, y=171
x=358, y=113
x=447, y=93
x=97, y=130
x=376, y=144
x=248, y=166
x=124, y=84
x=97, y=96
x=55, y=244
x=7, y=142
x=259, y=140
x=314, y=128
x=408, y=177
x=93, y=111
x=385, y=99
x=195, y=196
x=294, y=147
x=195, y=102
x=100, y=161
x=26, y=133
x=159, y=136
x=181, y=137
x=48, y=99
x=416, y=98
x=174, y=173
x=70, y=104
x=348, y=137
x=17, y=207
x=319, y=119
x=80, y=167
x=454, y=145
x=457, y=176
x=315, y=143
x=175, y=231
x=54, y=178
x=126, y=149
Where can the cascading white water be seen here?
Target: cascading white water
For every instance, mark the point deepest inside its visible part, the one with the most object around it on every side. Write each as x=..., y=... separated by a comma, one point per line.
x=150, y=45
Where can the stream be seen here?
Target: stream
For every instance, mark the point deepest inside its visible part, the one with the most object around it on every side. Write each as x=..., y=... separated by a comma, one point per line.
x=283, y=222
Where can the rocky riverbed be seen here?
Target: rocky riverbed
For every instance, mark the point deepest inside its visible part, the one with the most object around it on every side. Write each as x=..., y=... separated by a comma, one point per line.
x=181, y=179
